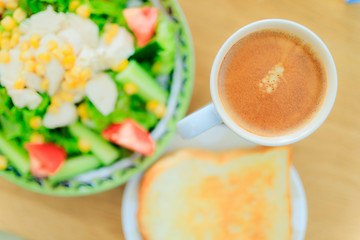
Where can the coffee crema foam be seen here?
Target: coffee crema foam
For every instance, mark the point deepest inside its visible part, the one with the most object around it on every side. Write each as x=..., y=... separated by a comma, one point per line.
x=271, y=83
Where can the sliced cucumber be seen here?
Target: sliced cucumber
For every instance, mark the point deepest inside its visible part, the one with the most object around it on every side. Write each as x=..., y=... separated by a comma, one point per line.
x=74, y=166
x=104, y=150
x=148, y=88
x=16, y=155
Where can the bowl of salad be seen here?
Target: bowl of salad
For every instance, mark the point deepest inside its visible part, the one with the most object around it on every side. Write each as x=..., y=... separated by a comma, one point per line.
x=90, y=91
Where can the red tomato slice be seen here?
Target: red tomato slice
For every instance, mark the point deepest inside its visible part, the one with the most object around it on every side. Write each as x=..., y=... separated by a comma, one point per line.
x=142, y=21
x=45, y=158
x=131, y=135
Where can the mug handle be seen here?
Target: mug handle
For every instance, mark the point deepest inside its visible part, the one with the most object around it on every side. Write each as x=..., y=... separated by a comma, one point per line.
x=199, y=121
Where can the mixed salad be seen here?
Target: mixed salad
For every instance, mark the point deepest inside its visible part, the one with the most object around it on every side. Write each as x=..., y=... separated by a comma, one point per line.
x=82, y=83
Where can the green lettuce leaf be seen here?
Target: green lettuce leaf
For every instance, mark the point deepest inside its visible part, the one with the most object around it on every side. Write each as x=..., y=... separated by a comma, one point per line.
x=166, y=37
x=110, y=8
x=35, y=6
x=10, y=128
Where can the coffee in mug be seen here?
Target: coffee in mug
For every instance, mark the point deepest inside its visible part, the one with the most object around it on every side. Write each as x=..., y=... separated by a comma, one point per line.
x=271, y=83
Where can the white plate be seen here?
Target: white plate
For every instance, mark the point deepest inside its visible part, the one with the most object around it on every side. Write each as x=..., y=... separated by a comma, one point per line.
x=218, y=138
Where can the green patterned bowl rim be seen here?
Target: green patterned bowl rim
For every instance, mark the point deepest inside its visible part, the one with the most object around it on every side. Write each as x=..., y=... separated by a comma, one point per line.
x=74, y=188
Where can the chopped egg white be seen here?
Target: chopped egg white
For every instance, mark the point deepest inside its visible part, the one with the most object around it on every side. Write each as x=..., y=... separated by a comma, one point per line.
x=43, y=23
x=102, y=92
x=72, y=37
x=120, y=48
x=65, y=115
x=25, y=98
x=78, y=95
x=87, y=29
x=89, y=58
x=33, y=81
x=54, y=73
x=9, y=72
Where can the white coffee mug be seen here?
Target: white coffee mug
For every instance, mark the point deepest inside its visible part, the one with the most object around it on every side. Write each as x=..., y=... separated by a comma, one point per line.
x=214, y=113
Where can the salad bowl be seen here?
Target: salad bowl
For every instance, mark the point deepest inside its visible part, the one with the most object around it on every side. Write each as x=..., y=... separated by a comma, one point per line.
x=90, y=166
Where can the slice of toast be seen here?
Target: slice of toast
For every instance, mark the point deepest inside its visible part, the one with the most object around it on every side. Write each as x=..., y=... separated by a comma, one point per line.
x=239, y=194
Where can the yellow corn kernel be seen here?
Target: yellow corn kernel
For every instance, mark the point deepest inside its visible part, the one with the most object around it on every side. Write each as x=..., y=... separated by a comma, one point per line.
x=108, y=38
x=44, y=84
x=3, y=162
x=83, y=85
x=84, y=145
x=156, y=67
x=73, y=5
x=68, y=85
x=65, y=86
x=37, y=138
x=30, y=66
x=4, y=56
x=83, y=11
x=14, y=40
x=8, y=23
x=44, y=57
x=19, y=15
x=111, y=30
x=156, y=107
x=66, y=96
x=40, y=69
x=19, y=83
x=56, y=99
x=5, y=43
x=53, y=108
x=67, y=50
x=12, y=4
x=24, y=46
x=51, y=45
x=82, y=111
x=109, y=26
x=152, y=105
x=35, y=122
x=85, y=74
x=160, y=111
x=121, y=66
x=130, y=88
x=58, y=55
x=69, y=76
x=75, y=72
x=35, y=41
x=68, y=61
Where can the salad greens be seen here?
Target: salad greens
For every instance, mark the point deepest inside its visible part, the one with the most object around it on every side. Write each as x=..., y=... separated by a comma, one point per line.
x=35, y=6
x=164, y=62
x=144, y=65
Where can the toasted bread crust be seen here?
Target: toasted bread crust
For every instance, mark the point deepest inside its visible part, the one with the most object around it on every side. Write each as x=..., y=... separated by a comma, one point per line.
x=218, y=158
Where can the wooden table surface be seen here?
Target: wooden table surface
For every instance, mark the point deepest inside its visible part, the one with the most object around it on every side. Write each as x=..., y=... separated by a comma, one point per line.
x=328, y=161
